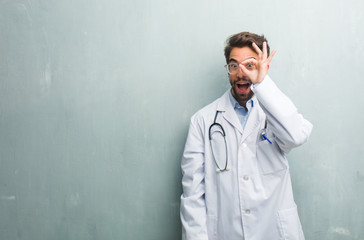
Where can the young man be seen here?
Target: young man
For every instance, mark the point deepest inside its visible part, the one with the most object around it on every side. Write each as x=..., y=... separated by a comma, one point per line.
x=236, y=180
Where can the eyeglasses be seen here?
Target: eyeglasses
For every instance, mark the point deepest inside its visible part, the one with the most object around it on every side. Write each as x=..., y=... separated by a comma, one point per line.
x=233, y=68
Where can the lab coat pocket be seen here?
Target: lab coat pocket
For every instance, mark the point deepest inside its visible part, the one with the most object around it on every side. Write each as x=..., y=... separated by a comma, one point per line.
x=290, y=225
x=270, y=157
x=212, y=227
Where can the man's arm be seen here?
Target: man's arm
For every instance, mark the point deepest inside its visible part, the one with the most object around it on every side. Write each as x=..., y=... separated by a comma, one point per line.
x=289, y=127
x=193, y=208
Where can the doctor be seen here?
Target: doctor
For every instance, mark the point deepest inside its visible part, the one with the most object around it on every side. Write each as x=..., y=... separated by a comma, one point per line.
x=236, y=180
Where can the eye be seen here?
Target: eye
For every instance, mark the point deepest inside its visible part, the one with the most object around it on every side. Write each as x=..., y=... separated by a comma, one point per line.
x=249, y=65
x=233, y=65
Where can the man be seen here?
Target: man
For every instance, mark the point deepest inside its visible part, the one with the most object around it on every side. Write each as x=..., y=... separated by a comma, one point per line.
x=236, y=180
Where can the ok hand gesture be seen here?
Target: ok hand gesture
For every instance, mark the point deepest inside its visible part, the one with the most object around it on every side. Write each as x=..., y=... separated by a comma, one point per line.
x=260, y=65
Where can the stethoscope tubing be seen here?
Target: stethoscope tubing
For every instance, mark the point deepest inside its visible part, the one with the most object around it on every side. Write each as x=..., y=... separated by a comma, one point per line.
x=219, y=169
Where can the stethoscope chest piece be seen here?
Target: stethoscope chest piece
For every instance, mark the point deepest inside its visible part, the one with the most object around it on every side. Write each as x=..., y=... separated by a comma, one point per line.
x=263, y=134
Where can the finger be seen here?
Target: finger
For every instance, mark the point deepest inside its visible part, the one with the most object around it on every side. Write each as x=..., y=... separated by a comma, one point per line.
x=271, y=56
x=251, y=75
x=245, y=70
x=257, y=49
x=249, y=60
x=248, y=67
x=249, y=64
x=265, y=54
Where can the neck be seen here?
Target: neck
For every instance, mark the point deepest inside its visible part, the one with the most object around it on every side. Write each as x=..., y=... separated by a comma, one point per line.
x=242, y=102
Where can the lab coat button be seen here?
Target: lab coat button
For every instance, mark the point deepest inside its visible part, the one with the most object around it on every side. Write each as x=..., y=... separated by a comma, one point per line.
x=246, y=178
x=247, y=211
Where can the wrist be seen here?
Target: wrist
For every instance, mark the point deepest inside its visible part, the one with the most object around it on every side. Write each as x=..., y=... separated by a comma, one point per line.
x=260, y=79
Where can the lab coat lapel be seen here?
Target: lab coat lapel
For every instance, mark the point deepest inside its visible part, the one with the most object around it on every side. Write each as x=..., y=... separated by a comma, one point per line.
x=229, y=112
x=255, y=118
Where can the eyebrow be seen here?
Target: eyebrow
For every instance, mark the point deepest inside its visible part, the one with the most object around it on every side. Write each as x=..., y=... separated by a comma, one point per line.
x=234, y=60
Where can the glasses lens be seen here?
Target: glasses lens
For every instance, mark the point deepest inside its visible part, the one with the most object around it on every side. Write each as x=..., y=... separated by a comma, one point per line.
x=232, y=68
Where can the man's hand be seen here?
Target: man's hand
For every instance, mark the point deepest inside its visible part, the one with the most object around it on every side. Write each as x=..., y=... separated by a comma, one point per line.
x=260, y=66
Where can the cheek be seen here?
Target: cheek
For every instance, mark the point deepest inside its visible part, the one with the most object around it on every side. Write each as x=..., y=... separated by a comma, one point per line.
x=231, y=79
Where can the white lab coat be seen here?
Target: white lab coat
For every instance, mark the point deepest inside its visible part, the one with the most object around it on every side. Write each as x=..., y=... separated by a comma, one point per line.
x=254, y=198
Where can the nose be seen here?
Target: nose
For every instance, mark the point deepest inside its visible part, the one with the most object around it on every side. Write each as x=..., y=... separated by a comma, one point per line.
x=240, y=73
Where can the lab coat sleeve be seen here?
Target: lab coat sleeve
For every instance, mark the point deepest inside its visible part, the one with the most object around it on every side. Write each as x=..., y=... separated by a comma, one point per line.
x=289, y=126
x=193, y=208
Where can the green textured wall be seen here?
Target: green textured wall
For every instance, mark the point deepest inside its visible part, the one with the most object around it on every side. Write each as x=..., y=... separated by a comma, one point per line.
x=96, y=96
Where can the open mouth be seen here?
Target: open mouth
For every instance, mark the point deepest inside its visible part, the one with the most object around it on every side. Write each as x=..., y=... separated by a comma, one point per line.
x=243, y=87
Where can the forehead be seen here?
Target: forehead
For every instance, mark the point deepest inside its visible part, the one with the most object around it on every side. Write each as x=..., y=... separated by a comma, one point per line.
x=241, y=54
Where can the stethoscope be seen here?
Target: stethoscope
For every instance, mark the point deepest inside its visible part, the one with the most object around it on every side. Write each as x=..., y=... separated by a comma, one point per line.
x=263, y=136
x=222, y=132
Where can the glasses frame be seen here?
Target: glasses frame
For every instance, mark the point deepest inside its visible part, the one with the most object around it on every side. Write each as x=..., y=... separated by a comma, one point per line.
x=226, y=66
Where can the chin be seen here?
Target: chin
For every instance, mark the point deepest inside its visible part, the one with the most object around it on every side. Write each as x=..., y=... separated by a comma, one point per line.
x=243, y=97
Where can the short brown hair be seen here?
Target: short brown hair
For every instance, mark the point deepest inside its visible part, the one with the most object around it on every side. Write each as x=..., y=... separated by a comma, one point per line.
x=244, y=39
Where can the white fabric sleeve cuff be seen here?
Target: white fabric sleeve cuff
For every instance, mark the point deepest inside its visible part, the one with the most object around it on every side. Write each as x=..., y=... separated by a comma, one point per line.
x=266, y=83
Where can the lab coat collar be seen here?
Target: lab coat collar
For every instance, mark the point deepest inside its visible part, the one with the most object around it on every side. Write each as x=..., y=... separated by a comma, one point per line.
x=229, y=114
x=228, y=111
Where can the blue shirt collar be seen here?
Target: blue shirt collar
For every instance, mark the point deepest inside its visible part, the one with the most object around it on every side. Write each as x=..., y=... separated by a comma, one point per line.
x=249, y=105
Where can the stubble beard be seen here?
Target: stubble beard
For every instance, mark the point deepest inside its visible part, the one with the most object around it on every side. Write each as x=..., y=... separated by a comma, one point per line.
x=240, y=98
